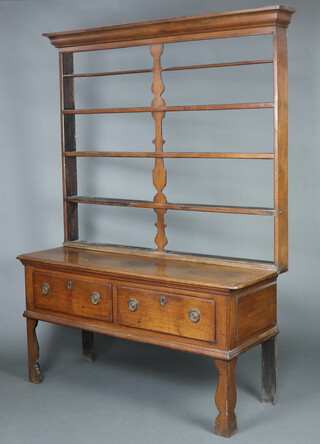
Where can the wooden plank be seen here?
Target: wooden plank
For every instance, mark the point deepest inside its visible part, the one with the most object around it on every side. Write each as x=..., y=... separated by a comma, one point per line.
x=218, y=65
x=173, y=68
x=262, y=211
x=172, y=155
x=110, y=73
x=280, y=149
x=160, y=109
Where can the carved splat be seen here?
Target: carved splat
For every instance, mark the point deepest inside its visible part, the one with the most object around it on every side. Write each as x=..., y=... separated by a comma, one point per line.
x=159, y=171
x=226, y=398
x=33, y=352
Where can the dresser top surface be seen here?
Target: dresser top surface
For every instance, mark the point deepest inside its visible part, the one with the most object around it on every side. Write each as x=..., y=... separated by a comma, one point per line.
x=220, y=276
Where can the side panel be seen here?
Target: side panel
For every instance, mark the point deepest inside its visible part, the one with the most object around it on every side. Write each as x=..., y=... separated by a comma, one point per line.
x=256, y=312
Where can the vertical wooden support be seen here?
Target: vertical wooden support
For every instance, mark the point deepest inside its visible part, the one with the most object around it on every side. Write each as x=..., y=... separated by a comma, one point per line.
x=159, y=171
x=280, y=148
x=88, y=345
x=269, y=371
x=68, y=143
x=33, y=352
x=226, y=398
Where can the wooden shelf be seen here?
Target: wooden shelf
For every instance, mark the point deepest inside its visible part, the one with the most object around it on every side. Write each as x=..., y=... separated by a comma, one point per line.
x=172, y=155
x=158, y=109
x=173, y=68
x=170, y=206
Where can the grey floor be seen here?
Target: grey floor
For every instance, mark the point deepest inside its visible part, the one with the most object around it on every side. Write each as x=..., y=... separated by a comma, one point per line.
x=137, y=393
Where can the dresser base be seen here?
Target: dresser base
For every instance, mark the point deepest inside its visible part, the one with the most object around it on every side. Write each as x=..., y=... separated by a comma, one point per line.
x=216, y=311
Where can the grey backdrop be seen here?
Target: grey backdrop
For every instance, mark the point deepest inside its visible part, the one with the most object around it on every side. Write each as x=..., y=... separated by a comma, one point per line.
x=137, y=393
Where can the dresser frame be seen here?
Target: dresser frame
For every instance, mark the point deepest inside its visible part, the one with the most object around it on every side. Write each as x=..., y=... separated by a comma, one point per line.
x=218, y=307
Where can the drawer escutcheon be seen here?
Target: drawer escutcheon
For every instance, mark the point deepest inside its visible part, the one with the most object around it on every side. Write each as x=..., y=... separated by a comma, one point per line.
x=69, y=285
x=163, y=301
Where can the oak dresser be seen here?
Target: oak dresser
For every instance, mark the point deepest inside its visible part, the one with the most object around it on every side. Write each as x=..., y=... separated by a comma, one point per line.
x=211, y=305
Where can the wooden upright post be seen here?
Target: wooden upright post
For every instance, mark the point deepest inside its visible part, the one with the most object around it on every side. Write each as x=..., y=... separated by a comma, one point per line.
x=280, y=148
x=68, y=143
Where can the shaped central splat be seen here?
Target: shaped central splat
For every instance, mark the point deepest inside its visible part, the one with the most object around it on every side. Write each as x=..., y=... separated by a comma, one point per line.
x=159, y=171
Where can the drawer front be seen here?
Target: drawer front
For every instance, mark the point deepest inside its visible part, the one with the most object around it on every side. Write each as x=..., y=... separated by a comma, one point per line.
x=176, y=315
x=78, y=297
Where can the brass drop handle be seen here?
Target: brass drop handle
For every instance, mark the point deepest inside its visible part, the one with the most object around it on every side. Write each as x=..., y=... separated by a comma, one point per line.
x=95, y=298
x=133, y=304
x=194, y=315
x=45, y=289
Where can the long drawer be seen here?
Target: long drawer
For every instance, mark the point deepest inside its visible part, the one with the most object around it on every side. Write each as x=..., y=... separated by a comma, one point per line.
x=179, y=315
x=80, y=297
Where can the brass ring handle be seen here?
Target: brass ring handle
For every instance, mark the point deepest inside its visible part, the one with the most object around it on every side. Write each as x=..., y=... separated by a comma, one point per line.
x=133, y=304
x=45, y=289
x=95, y=298
x=194, y=315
